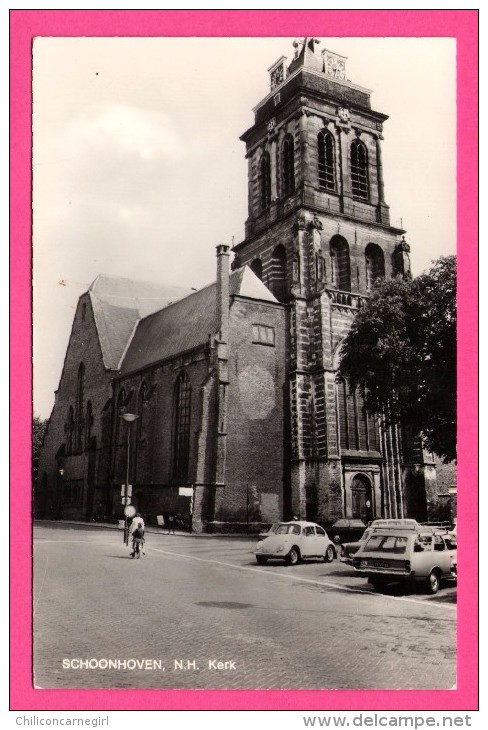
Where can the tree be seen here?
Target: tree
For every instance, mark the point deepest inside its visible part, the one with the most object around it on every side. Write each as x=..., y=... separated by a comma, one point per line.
x=39, y=426
x=401, y=354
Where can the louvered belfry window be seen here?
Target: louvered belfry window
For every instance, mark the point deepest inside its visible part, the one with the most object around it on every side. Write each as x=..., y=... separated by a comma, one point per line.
x=265, y=180
x=359, y=170
x=181, y=428
x=288, y=166
x=325, y=143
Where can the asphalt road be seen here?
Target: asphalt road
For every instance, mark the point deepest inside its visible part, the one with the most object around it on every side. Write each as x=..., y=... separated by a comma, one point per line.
x=198, y=612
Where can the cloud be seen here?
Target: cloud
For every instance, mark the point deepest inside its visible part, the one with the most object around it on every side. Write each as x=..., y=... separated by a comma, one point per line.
x=126, y=131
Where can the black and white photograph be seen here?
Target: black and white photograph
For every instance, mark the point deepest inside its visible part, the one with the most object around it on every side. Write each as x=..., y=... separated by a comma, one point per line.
x=244, y=363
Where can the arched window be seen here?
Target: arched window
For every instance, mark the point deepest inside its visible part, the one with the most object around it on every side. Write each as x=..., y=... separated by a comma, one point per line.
x=375, y=264
x=288, y=165
x=358, y=431
x=277, y=273
x=88, y=424
x=141, y=411
x=80, y=387
x=181, y=428
x=265, y=180
x=359, y=170
x=257, y=267
x=70, y=430
x=340, y=267
x=326, y=161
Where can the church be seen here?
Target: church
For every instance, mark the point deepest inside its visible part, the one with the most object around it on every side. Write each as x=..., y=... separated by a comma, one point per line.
x=223, y=405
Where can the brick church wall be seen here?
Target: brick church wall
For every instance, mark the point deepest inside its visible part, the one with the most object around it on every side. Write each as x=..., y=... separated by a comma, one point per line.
x=255, y=466
x=83, y=348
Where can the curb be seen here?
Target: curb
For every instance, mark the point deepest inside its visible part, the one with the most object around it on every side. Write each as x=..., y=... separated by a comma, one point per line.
x=151, y=530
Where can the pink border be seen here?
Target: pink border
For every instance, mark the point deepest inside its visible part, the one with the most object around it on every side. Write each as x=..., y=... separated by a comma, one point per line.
x=24, y=25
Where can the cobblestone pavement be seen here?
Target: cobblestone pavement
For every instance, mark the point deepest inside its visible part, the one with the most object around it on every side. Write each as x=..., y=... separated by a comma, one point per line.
x=193, y=602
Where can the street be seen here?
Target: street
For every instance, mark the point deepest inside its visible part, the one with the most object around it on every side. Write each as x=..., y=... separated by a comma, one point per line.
x=197, y=612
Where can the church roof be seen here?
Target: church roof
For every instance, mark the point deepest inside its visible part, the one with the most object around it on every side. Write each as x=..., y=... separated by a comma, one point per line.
x=118, y=304
x=188, y=323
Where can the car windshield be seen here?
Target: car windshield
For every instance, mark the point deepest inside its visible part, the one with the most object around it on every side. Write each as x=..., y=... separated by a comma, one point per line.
x=386, y=544
x=287, y=529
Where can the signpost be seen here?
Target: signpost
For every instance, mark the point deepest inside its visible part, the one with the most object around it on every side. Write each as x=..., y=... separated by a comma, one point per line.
x=126, y=490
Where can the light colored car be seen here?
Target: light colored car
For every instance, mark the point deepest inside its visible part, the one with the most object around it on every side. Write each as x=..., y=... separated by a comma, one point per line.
x=407, y=554
x=295, y=541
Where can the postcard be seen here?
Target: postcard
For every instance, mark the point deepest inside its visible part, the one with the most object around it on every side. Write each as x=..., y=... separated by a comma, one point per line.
x=245, y=253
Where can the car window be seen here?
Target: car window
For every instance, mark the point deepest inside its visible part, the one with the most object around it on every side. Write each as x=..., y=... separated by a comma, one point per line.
x=319, y=530
x=308, y=531
x=451, y=542
x=285, y=529
x=439, y=543
x=425, y=541
x=386, y=544
x=340, y=523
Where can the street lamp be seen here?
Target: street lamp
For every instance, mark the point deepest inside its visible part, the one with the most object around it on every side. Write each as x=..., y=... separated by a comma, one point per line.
x=129, y=418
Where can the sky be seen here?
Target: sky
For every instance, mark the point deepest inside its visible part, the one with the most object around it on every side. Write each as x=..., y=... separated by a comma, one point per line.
x=138, y=170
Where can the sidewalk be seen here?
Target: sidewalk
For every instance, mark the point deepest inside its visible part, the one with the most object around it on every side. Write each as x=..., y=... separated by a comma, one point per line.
x=149, y=529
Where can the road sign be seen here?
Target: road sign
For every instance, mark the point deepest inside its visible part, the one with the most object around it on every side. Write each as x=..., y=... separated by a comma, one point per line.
x=125, y=500
x=130, y=510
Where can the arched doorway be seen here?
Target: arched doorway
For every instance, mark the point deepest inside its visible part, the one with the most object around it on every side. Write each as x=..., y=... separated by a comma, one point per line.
x=362, y=498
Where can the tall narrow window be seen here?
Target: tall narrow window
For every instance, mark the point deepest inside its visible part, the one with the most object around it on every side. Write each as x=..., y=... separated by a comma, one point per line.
x=265, y=180
x=326, y=161
x=288, y=166
x=141, y=411
x=358, y=430
x=375, y=264
x=70, y=429
x=118, y=419
x=79, y=407
x=277, y=273
x=181, y=428
x=88, y=424
x=340, y=265
x=359, y=170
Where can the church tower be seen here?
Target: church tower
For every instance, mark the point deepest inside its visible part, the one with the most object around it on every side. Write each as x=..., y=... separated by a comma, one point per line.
x=318, y=234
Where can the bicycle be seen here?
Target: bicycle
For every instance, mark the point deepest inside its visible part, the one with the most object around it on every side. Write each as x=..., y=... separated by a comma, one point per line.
x=137, y=548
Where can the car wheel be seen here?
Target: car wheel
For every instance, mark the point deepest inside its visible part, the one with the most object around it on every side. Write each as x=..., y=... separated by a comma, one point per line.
x=336, y=539
x=329, y=554
x=293, y=556
x=261, y=560
x=433, y=581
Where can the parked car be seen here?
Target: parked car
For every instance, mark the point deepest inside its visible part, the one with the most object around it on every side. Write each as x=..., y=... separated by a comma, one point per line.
x=346, y=530
x=348, y=549
x=295, y=541
x=410, y=554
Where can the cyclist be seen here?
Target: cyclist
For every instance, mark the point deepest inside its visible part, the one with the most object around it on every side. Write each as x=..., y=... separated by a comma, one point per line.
x=138, y=541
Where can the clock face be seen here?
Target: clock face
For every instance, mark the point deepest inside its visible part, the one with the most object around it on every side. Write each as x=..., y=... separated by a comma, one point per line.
x=336, y=67
x=277, y=76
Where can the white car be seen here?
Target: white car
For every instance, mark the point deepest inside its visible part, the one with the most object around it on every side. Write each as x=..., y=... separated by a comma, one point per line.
x=294, y=541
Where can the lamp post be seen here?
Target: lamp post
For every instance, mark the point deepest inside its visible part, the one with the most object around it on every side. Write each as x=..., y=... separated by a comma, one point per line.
x=129, y=418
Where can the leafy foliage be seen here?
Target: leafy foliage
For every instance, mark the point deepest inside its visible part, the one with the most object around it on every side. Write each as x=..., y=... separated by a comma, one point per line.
x=39, y=426
x=401, y=354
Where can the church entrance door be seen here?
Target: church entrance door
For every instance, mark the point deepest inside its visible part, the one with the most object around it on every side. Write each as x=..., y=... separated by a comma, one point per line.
x=362, y=498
